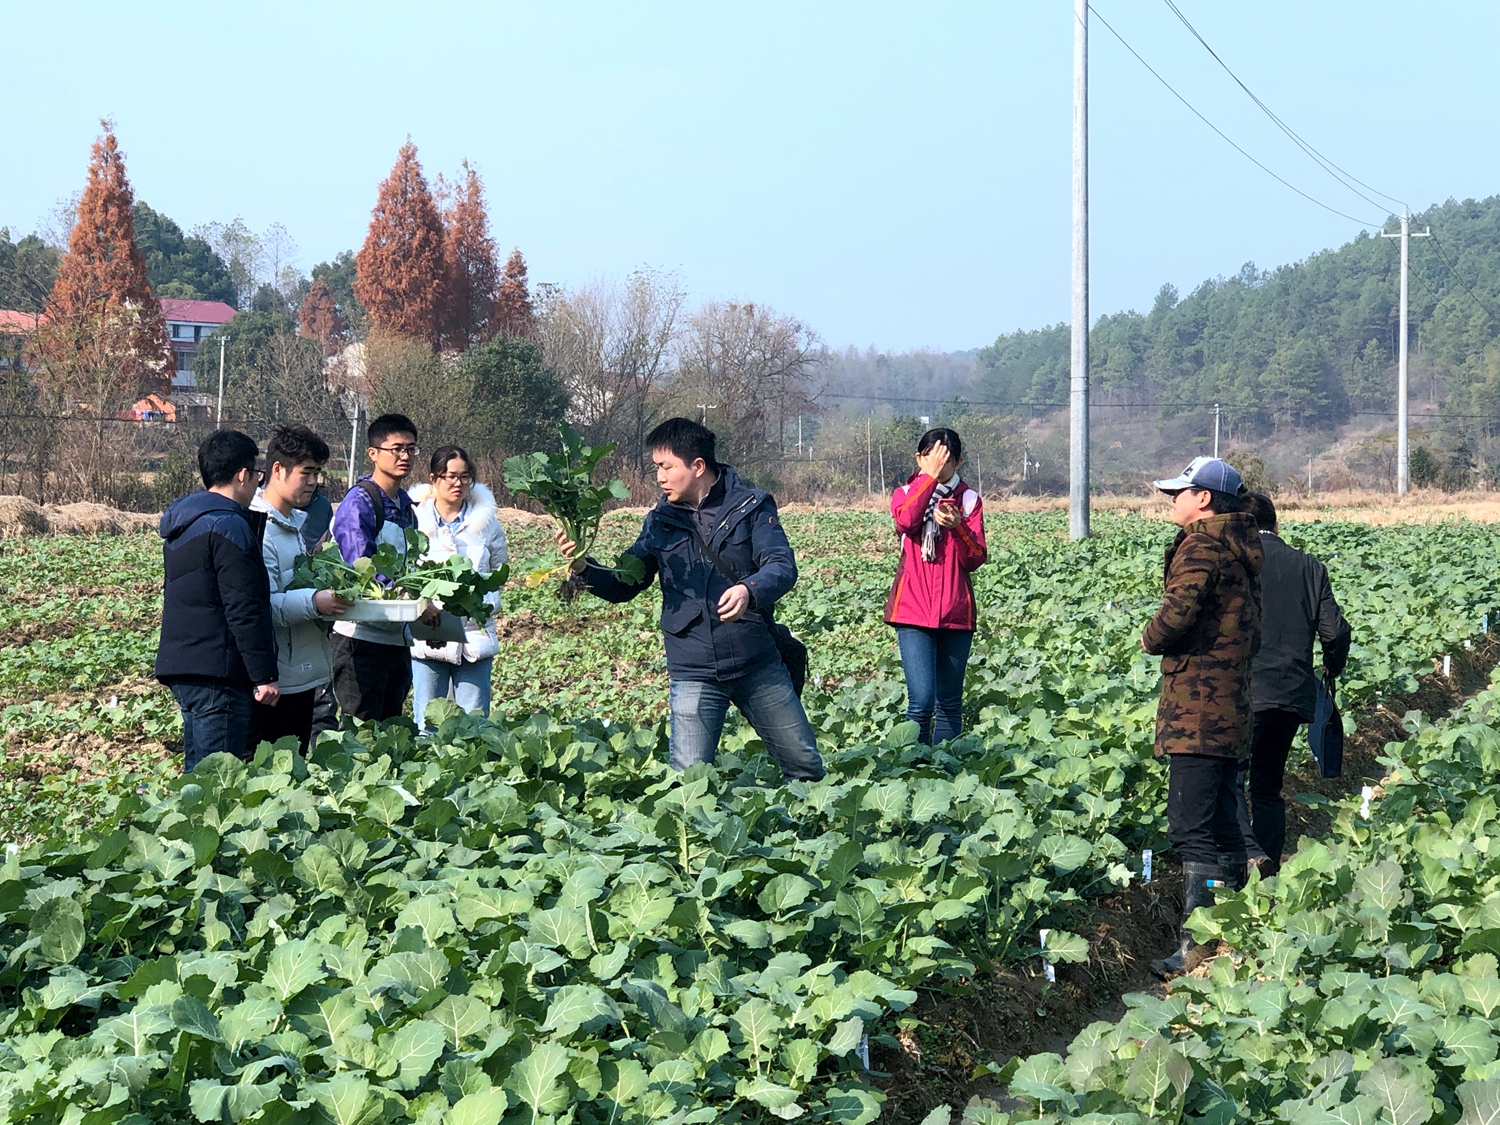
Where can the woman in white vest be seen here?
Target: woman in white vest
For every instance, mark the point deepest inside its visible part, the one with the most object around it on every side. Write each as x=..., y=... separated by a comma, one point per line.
x=458, y=516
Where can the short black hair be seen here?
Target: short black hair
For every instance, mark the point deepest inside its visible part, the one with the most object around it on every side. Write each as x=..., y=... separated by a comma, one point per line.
x=388, y=424
x=684, y=438
x=1259, y=505
x=223, y=454
x=1222, y=503
x=942, y=434
x=291, y=446
x=438, y=464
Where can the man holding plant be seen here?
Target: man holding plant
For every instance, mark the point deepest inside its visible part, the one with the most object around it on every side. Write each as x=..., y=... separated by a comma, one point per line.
x=723, y=560
x=371, y=659
x=295, y=457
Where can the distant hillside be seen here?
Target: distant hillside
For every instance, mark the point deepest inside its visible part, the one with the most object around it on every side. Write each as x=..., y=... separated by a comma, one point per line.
x=1309, y=345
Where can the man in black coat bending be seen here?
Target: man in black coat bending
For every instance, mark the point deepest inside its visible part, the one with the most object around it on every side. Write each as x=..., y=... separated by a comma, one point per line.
x=217, y=649
x=1297, y=604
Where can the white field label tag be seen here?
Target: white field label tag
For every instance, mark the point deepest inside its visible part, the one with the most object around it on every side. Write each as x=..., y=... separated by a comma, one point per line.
x=1364, y=804
x=1046, y=964
x=1146, y=865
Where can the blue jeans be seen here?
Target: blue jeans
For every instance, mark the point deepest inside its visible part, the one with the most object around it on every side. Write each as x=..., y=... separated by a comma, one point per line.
x=766, y=698
x=934, y=661
x=215, y=718
x=431, y=679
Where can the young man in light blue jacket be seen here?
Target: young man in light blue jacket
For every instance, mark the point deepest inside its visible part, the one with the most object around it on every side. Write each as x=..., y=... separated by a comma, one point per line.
x=295, y=457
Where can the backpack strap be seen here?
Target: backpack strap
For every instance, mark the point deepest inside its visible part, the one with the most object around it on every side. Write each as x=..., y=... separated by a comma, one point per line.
x=377, y=499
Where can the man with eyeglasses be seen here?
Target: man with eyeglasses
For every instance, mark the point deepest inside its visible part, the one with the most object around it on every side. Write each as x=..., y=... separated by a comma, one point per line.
x=371, y=659
x=217, y=651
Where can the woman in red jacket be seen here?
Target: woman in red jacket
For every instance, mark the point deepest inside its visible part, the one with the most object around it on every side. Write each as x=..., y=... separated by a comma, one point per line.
x=931, y=603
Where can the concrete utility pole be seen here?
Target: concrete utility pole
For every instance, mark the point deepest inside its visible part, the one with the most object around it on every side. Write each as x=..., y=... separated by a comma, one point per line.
x=219, y=414
x=1216, y=430
x=706, y=407
x=1078, y=460
x=1403, y=447
x=869, y=465
x=353, y=445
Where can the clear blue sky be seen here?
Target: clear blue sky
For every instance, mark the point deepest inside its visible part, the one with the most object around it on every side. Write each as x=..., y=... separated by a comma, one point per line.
x=891, y=174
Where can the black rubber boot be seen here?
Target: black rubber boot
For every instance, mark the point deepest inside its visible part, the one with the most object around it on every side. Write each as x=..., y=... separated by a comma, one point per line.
x=1199, y=881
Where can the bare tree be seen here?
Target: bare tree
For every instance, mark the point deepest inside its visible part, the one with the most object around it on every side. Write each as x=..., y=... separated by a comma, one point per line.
x=611, y=344
x=755, y=368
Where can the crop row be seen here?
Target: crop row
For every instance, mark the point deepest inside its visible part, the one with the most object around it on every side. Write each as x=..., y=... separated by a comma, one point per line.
x=1363, y=988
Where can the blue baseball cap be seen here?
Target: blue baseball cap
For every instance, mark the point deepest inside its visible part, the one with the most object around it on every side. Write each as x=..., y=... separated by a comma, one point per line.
x=1206, y=472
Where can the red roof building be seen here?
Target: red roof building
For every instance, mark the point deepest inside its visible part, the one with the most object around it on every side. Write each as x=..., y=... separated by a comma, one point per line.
x=188, y=322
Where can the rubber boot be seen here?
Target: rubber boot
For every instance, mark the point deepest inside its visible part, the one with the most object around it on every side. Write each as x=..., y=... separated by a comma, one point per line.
x=1199, y=881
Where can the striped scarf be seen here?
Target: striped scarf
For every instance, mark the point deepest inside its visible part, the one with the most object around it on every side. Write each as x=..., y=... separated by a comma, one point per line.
x=930, y=529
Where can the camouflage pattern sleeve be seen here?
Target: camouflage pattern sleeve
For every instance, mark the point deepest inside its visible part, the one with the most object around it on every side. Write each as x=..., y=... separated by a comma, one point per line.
x=1191, y=573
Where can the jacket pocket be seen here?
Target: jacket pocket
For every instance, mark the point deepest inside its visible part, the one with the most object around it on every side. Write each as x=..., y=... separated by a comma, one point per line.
x=679, y=620
x=1174, y=663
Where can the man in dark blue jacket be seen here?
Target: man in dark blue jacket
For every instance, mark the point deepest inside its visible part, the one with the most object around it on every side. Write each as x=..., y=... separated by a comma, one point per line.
x=217, y=650
x=715, y=618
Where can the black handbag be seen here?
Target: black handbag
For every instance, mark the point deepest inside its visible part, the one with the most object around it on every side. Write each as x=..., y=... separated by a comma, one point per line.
x=1325, y=734
x=793, y=652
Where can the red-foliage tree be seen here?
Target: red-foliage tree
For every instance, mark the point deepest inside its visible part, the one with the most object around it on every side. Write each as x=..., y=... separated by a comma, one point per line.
x=321, y=319
x=104, y=339
x=514, y=314
x=399, y=270
x=469, y=259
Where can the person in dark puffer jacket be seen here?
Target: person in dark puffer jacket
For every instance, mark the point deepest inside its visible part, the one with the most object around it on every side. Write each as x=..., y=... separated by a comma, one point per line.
x=217, y=651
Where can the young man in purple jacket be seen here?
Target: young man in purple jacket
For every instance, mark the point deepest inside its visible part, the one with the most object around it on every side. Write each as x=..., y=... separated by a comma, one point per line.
x=372, y=660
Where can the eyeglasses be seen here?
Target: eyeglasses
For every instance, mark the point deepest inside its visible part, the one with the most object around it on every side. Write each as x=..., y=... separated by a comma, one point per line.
x=400, y=450
x=456, y=478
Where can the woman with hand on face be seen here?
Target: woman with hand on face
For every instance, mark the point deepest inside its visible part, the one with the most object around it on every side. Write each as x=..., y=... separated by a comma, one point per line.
x=458, y=516
x=931, y=603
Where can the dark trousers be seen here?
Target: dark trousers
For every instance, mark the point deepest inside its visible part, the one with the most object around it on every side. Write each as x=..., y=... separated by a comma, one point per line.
x=292, y=715
x=325, y=714
x=934, y=661
x=215, y=717
x=1263, y=817
x=370, y=680
x=1202, y=817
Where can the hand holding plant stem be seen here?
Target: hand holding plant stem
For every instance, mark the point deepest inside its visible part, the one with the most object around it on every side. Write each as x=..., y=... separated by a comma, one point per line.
x=563, y=484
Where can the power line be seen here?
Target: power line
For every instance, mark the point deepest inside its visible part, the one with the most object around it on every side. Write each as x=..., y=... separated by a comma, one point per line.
x=1225, y=136
x=1453, y=273
x=1322, y=161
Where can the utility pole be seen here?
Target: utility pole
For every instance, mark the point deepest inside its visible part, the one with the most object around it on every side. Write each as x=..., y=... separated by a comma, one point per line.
x=1402, y=446
x=706, y=407
x=799, y=436
x=1078, y=432
x=1216, y=431
x=353, y=444
x=882, y=468
x=869, y=464
x=219, y=414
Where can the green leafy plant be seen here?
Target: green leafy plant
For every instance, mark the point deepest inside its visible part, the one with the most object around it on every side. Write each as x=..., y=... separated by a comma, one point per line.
x=564, y=486
x=387, y=574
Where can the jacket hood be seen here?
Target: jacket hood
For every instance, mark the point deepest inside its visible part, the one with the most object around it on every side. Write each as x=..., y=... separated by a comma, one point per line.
x=1236, y=532
x=482, y=507
x=189, y=509
x=292, y=522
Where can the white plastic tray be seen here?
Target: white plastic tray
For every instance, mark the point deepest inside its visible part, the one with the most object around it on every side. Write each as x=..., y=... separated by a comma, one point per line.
x=397, y=609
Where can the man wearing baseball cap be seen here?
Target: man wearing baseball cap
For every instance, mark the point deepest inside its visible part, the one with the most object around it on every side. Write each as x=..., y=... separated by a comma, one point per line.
x=1206, y=633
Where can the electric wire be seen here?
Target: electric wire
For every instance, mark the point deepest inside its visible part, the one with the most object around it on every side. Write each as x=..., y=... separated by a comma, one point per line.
x=1225, y=136
x=1322, y=161
x=1453, y=273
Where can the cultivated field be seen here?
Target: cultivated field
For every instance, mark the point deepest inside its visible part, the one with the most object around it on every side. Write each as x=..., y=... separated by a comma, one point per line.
x=534, y=920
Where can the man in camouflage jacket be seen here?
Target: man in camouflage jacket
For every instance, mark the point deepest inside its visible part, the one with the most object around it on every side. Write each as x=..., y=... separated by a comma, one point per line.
x=1206, y=632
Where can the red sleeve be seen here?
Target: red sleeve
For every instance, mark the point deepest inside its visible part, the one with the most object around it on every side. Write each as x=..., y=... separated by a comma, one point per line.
x=968, y=539
x=909, y=504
